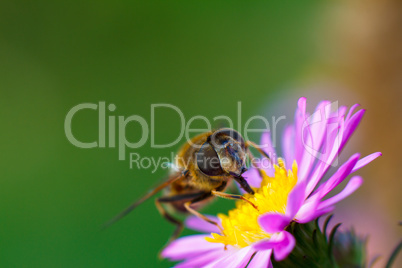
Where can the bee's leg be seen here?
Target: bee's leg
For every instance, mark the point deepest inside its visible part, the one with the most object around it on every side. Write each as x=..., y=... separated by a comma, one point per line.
x=232, y=196
x=167, y=216
x=170, y=218
x=199, y=215
x=252, y=158
x=252, y=144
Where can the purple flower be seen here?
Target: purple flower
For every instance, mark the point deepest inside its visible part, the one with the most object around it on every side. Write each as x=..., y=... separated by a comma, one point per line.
x=282, y=194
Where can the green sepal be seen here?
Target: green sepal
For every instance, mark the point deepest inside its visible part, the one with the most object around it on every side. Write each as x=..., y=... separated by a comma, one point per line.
x=314, y=248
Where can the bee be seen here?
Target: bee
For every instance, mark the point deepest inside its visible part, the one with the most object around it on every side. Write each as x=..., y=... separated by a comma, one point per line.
x=205, y=166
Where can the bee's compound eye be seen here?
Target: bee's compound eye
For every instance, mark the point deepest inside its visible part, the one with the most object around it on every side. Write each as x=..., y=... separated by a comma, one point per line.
x=228, y=132
x=208, y=161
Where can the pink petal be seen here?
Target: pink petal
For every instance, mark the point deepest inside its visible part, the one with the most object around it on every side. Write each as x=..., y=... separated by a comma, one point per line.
x=351, y=125
x=267, y=166
x=314, y=214
x=318, y=124
x=352, y=186
x=338, y=176
x=319, y=121
x=282, y=250
x=237, y=259
x=184, y=247
x=342, y=111
x=273, y=222
x=308, y=154
x=195, y=223
x=331, y=152
x=308, y=159
x=282, y=244
x=253, y=178
x=266, y=144
x=270, y=243
x=305, y=213
x=351, y=111
x=364, y=161
x=334, y=142
x=300, y=117
x=264, y=163
x=202, y=259
x=295, y=199
x=288, y=145
x=261, y=260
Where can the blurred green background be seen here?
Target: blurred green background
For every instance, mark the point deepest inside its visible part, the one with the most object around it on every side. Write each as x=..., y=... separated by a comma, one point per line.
x=201, y=56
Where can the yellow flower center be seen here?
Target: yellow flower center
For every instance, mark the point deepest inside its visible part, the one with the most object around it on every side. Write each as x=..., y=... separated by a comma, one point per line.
x=240, y=226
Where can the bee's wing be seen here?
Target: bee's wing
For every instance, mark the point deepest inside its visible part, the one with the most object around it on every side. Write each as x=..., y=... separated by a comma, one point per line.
x=144, y=198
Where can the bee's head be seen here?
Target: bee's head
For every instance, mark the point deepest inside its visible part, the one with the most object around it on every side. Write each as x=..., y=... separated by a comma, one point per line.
x=224, y=153
x=232, y=157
